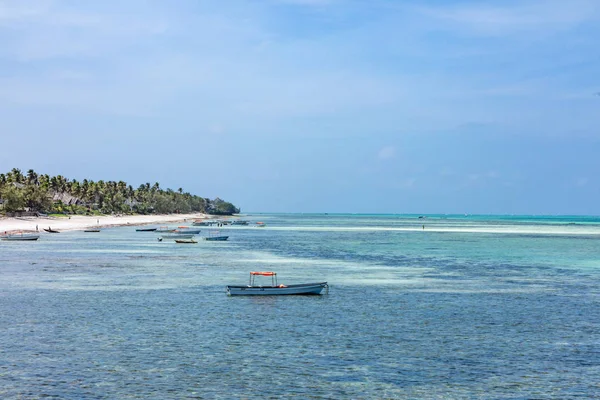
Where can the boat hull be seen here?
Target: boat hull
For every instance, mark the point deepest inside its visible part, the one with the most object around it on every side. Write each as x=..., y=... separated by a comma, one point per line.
x=216, y=238
x=177, y=236
x=20, y=238
x=187, y=231
x=301, y=289
x=145, y=229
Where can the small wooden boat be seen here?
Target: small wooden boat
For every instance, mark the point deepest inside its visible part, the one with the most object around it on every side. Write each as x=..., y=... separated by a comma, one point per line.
x=50, y=230
x=92, y=230
x=189, y=241
x=20, y=237
x=146, y=229
x=275, y=289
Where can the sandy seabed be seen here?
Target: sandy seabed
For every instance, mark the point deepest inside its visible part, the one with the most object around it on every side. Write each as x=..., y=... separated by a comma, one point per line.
x=80, y=222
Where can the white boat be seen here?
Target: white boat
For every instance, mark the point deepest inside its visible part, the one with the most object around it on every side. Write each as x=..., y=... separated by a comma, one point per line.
x=275, y=289
x=164, y=229
x=174, y=236
x=20, y=236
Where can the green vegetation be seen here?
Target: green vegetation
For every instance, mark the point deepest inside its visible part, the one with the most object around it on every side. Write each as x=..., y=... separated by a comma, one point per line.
x=59, y=195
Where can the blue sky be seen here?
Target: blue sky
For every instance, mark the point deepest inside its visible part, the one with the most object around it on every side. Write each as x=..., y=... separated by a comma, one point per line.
x=312, y=105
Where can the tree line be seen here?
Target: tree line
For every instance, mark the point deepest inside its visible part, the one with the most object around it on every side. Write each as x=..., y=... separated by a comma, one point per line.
x=57, y=194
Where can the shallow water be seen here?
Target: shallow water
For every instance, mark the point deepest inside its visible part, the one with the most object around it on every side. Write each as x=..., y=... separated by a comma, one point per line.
x=468, y=307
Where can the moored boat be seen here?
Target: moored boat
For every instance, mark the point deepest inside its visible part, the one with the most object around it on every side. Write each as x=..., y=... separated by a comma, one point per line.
x=92, y=230
x=164, y=229
x=275, y=289
x=186, y=230
x=215, y=237
x=146, y=229
x=20, y=236
x=187, y=241
x=175, y=236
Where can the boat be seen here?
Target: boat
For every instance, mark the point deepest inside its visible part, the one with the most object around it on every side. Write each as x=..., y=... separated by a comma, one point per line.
x=92, y=230
x=185, y=241
x=175, y=236
x=164, y=229
x=275, y=289
x=239, y=222
x=202, y=223
x=186, y=230
x=20, y=236
x=146, y=229
x=260, y=225
x=50, y=230
x=215, y=236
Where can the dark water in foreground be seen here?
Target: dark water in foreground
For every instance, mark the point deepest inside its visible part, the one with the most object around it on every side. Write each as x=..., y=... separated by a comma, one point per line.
x=466, y=308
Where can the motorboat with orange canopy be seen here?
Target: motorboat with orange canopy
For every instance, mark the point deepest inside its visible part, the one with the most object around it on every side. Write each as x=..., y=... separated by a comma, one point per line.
x=274, y=289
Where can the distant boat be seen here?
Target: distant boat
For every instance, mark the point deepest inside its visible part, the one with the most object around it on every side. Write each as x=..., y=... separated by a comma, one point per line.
x=92, y=230
x=239, y=222
x=275, y=289
x=20, y=236
x=260, y=225
x=146, y=229
x=176, y=236
x=185, y=229
x=164, y=229
x=190, y=241
x=50, y=230
x=215, y=237
x=202, y=223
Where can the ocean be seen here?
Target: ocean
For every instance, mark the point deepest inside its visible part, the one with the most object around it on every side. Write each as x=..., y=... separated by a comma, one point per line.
x=442, y=307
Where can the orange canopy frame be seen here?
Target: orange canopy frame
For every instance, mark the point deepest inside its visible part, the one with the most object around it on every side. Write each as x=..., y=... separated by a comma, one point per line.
x=265, y=273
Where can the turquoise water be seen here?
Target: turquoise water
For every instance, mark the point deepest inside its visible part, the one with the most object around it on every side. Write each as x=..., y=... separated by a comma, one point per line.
x=436, y=307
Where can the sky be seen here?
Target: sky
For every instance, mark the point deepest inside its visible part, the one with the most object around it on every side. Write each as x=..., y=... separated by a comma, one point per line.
x=362, y=106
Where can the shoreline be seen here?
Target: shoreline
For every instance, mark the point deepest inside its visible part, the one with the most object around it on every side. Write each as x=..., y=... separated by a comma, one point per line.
x=80, y=222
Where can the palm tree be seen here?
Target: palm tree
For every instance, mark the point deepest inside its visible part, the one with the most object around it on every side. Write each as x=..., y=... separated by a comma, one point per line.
x=32, y=177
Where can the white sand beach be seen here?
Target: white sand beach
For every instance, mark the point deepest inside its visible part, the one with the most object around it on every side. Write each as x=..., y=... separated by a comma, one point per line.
x=80, y=222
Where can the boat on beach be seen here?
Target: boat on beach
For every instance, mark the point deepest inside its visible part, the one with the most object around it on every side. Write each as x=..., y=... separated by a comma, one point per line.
x=20, y=236
x=275, y=289
x=50, y=230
